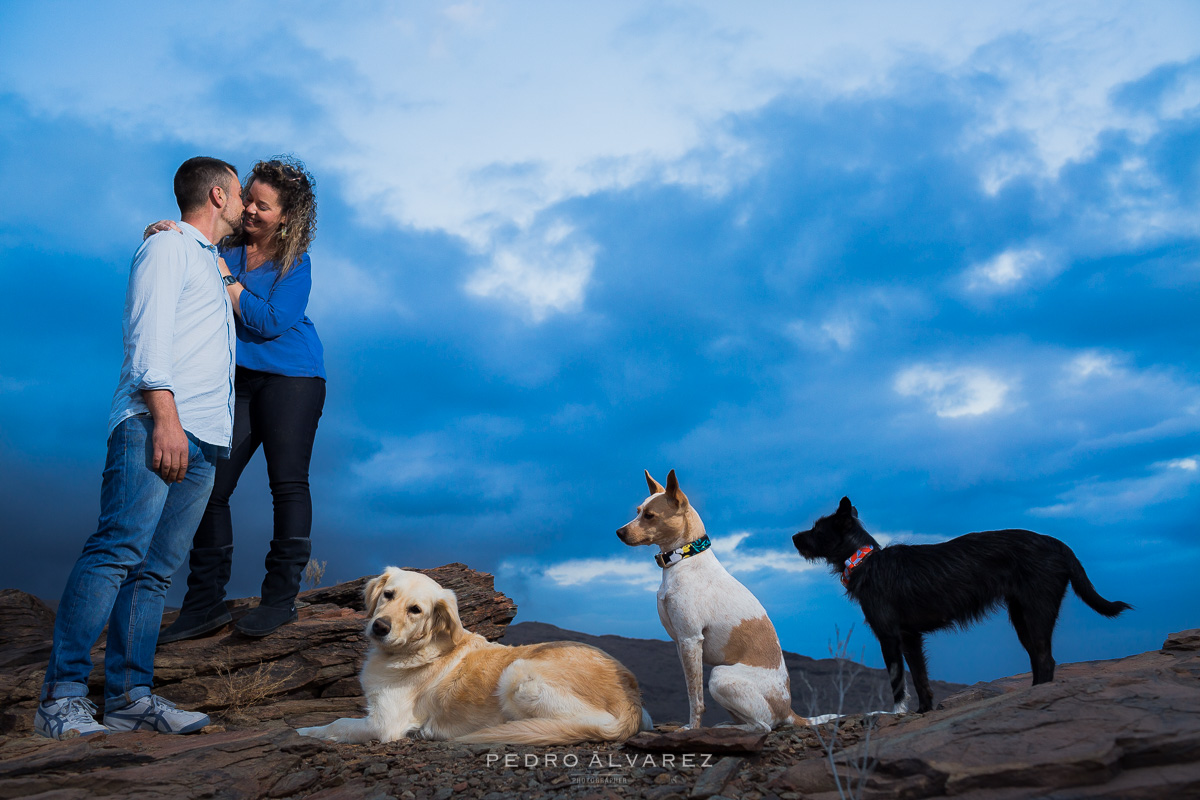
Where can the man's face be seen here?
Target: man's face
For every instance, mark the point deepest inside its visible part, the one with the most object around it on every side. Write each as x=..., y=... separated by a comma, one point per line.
x=231, y=213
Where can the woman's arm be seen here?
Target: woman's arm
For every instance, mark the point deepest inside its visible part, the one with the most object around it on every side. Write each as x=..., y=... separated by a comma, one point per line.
x=159, y=227
x=272, y=316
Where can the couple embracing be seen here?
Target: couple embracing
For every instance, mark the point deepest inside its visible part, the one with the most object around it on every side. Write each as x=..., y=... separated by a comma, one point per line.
x=219, y=358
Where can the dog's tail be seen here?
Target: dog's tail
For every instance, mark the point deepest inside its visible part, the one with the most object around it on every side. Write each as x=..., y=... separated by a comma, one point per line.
x=545, y=731
x=1087, y=593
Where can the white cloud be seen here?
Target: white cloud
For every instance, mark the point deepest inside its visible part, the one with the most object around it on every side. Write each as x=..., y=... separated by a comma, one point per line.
x=633, y=573
x=444, y=461
x=1008, y=271
x=642, y=573
x=953, y=392
x=1128, y=497
x=1092, y=364
x=343, y=289
x=1059, y=72
x=473, y=118
x=541, y=274
x=837, y=332
x=406, y=461
x=740, y=560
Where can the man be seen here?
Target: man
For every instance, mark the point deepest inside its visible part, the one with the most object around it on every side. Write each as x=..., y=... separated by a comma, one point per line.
x=172, y=417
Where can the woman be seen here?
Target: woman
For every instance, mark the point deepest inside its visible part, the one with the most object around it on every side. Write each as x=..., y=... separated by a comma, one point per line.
x=280, y=388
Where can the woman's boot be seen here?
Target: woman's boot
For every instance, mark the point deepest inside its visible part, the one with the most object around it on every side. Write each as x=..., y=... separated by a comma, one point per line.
x=285, y=565
x=204, y=604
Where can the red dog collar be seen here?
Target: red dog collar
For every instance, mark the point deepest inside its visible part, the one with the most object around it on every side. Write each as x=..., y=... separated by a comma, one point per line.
x=853, y=561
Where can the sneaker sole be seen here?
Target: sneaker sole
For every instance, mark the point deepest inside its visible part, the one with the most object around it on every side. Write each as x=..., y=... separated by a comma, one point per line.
x=193, y=727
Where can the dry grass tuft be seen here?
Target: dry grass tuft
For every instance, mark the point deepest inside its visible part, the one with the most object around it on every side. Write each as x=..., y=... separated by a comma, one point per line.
x=314, y=573
x=240, y=689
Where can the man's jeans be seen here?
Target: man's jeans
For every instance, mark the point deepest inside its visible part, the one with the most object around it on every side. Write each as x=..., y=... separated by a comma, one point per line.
x=145, y=529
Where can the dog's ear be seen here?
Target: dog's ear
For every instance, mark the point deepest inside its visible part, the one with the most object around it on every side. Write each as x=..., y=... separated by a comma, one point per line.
x=374, y=591
x=673, y=491
x=846, y=507
x=655, y=486
x=445, y=617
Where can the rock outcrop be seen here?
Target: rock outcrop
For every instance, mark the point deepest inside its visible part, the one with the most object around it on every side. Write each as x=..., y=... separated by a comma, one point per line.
x=305, y=673
x=1125, y=728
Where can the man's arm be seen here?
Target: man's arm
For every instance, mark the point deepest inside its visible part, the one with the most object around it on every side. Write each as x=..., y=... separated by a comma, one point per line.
x=169, y=442
x=155, y=282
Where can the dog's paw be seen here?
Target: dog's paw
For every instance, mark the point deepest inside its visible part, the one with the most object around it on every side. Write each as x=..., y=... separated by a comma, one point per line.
x=324, y=733
x=821, y=719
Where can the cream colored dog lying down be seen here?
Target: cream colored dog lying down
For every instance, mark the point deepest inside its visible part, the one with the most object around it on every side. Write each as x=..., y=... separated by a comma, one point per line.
x=426, y=673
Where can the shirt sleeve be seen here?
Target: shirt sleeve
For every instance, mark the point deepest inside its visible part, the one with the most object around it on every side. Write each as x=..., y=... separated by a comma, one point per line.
x=155, y=283
x=271, y=316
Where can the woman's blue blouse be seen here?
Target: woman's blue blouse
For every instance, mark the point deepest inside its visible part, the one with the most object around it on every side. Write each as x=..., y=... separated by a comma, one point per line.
x=273, y=333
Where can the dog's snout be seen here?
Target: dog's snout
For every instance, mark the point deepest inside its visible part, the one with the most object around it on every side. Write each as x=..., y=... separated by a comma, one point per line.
x=621, y=531
x=380, y=628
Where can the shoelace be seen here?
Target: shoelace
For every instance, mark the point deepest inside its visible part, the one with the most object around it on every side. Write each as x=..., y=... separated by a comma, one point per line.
x=160, y=702
x=79, y=709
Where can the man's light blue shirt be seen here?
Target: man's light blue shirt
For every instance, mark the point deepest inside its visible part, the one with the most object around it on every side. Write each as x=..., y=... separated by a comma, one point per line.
x=179, y=335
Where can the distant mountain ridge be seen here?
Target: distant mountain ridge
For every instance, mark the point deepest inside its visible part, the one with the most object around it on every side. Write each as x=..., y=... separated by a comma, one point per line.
x=655, y=662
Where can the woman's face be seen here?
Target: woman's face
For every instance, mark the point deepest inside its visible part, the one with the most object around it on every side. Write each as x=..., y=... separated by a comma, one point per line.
x=263, y=214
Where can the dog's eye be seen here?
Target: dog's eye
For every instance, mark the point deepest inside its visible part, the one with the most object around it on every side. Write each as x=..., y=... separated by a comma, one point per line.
x=389, y=594
x=648, y=515
x=414, y=609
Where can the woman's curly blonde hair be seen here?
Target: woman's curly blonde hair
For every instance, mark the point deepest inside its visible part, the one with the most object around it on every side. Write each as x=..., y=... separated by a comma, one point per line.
x=297, y=197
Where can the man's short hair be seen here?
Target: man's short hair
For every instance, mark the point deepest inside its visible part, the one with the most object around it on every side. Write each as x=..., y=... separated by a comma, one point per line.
x=196, y=176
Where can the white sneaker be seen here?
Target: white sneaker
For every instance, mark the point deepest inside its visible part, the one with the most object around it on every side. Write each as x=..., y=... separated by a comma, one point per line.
x=67, y=718
x=154, y=713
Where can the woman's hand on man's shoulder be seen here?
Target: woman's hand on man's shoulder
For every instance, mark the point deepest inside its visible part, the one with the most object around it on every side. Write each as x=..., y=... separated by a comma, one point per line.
x=159, y=227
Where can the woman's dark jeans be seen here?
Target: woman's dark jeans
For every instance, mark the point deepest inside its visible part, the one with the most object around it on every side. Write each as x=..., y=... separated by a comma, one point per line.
x=280, y=413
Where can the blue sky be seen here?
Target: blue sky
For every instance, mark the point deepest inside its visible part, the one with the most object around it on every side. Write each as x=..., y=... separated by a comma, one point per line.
x=941, y=258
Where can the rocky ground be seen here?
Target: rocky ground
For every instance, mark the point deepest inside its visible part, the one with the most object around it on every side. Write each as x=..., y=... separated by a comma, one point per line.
x=1127, y=728
x=305, y=670
x=815, y=682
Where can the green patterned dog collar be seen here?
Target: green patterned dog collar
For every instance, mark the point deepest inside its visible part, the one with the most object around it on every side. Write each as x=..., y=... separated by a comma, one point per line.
x=687, y=551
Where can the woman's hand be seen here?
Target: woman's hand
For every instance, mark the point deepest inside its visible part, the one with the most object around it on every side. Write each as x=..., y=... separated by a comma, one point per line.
x=159, y=227
x=221, y=265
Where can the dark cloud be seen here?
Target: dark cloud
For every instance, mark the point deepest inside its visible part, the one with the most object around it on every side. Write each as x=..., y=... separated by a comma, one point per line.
x=752, y=339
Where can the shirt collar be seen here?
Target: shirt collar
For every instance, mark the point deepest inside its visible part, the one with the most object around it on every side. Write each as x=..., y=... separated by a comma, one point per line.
x=197, y=235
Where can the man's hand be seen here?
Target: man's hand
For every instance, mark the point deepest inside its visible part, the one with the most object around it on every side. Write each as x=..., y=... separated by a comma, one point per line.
x=169, y=442
x=170, y=452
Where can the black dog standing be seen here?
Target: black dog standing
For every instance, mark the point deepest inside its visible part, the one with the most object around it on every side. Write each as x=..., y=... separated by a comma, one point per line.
x=906, y=591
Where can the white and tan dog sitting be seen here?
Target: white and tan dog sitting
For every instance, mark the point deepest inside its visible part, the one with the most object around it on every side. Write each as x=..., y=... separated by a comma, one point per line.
x=427, y=675
x=712, y=618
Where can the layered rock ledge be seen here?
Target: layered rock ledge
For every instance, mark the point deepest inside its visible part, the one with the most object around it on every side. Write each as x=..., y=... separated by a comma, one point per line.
x=1126, y=728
